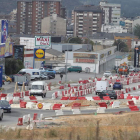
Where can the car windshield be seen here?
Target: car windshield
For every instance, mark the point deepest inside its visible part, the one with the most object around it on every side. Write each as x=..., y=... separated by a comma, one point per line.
x=37, y=87
x=21, y=72
x=107, y=72
x=117, y=83
x=109, y=91
x=3, y=102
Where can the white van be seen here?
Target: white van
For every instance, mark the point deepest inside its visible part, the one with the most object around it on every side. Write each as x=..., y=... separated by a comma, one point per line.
x=38, y=88
x=35, y=73
x=100, y=86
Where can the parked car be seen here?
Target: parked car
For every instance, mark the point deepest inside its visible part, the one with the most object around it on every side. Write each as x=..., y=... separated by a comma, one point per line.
x=25, y=83
x=131, y=69
x=117, y=85
x=50, y=75
x=111, y=93
x=75, y=69
x=136, y=70
x=50, y=70
x=44, y=76
x=1, y=114
x=5, y=106
x=107, y=74
x=61, y=70
x=7, y=78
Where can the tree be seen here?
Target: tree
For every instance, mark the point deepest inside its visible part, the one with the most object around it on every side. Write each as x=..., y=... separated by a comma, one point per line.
x=121, y=46
x=13, y=66
x=137, y=30
x=76, y=40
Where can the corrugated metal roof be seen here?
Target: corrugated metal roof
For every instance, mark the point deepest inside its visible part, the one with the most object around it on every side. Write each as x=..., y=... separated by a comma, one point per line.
x=103, y=35
x=54, y=52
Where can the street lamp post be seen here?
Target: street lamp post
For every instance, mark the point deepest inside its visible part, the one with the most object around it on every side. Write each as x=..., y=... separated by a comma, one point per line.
x=25, y=50
x=95, y=62
x=67, y=61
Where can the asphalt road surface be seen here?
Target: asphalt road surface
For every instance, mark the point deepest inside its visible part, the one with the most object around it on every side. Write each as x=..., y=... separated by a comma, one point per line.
x=73, y=76
x=12, y=118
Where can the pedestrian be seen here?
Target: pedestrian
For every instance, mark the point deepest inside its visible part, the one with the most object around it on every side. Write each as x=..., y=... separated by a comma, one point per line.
x=61, y=76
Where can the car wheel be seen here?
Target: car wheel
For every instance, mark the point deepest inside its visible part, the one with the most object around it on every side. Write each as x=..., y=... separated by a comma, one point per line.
x=1, y=117
x=44, y=95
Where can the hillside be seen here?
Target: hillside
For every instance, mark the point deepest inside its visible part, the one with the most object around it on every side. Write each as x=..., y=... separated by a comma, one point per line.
x=130, y=8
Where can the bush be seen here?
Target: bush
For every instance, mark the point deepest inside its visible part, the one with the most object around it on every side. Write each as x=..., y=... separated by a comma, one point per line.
x=52, y=133
x=13, y=66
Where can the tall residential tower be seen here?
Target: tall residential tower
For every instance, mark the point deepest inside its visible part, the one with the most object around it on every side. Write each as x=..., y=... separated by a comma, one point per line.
x=31, y=12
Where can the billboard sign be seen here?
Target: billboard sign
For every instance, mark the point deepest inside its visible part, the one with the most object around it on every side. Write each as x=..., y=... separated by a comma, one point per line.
x=43, y=41
x=85, y=58
x=18, y=52
x=4, y=30
x=122, y=23
x=39, y=54
x=136, y=57
x=6, y=50
x=1, y=71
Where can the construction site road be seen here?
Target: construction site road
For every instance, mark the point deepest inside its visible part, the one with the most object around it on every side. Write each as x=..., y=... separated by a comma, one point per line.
x=73, y=76
x=11, y=119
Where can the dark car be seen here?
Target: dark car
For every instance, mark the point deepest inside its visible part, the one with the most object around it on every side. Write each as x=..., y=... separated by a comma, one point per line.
x=111, y=93
x=5, y=105
x=118, y=85
x=75, y=69
x=25, y=83
x=50, y=75
x=61, y=71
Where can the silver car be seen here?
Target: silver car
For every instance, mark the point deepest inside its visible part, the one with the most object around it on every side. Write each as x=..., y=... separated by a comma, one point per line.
x=107, y=74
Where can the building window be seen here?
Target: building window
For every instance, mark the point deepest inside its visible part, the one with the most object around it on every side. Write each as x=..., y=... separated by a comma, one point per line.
x=90, y=14
x=85, y=14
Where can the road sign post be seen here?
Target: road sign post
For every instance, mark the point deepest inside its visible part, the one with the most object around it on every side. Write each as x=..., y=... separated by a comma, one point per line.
x=40, y=105
x=39, y=55
x=43, y=41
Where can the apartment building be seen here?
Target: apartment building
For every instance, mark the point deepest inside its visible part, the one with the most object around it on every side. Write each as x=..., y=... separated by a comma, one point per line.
x=111, y=13
x=31, y=12
x=128, y=25
x=87, y=20
x=54, y=25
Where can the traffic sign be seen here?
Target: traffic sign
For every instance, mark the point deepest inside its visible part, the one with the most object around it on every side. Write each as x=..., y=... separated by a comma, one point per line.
x=40, y=105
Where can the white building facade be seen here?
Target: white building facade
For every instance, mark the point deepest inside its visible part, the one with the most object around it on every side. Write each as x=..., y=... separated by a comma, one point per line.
x=111, y=13
x=113, y=29
x=98, y=62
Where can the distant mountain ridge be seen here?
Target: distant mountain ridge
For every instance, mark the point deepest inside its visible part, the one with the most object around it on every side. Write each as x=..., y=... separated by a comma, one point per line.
x=130, y=8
